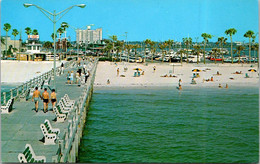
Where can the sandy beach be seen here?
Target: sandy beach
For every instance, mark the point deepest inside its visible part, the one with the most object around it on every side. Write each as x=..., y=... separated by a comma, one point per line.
x=108, y=70
x=22, y=71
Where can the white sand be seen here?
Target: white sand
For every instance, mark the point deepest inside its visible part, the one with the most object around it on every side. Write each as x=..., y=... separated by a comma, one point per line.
x=107, y=70
x=22, y=71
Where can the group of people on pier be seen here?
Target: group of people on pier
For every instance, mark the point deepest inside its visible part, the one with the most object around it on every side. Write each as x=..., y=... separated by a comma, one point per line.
x=45, y=98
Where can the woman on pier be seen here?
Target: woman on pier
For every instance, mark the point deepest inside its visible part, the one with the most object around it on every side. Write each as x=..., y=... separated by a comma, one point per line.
x=53, y=98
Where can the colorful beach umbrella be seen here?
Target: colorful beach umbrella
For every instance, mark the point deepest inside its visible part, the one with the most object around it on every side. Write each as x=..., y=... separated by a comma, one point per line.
x=137, y=69
x=196, y=70
x=252, y=70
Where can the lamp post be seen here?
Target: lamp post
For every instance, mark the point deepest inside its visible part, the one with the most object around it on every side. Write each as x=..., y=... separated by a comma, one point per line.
x=52, y=17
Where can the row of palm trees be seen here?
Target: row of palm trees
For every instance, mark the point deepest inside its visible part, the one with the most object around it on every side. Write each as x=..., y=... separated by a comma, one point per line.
x=149, y=44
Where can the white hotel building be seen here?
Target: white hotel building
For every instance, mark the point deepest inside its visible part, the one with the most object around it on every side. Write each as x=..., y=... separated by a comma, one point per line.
x=89, y=36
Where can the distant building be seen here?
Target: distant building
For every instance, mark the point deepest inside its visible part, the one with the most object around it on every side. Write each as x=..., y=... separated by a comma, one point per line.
x=89, y=36
x=15, y=43
x=33, y=50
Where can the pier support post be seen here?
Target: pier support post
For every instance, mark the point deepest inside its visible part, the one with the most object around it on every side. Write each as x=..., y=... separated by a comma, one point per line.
x=4, y=93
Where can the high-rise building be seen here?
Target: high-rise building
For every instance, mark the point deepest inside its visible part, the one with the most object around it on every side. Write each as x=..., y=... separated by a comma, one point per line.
x=89, y=36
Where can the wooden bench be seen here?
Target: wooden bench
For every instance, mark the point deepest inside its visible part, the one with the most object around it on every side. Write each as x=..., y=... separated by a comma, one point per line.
x=28, y=156
x=49, y=134
x=60, y=116
x=8, y=107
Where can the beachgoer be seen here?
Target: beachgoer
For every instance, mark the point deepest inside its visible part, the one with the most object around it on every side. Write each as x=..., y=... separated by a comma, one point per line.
x=219, y=85
x=68, y=77
x=45, y=97
x=143, y=73
x=84, y=68
x=217, y=72
x=86, y=76
x=226, y=86
x=117, y=71
x=211, y=79
x=53, y=98
x=77, y=77
x=180, y=87
x=193, y=81
x=36, y=97
x=62, y=67
x=108, y=81
x=79, y=72
x=71, y=77
x=180, y=82
x=154, y=68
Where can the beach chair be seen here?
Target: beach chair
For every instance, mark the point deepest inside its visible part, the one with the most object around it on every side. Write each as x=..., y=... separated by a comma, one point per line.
x=8, y=107
x=67, y=103
x=28, y=156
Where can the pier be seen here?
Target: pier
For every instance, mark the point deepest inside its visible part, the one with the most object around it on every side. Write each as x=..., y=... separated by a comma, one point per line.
x=22, y=125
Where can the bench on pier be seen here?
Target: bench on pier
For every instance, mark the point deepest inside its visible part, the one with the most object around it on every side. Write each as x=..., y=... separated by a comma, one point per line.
x=65, y=105
x=66, y=97
x=24, y=96
x=49, y=134
x=8, y=107
x=47, y=81
x=28, y=156
x=60, y=116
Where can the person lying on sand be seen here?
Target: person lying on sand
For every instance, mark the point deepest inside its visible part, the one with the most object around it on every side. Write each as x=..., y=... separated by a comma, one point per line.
x=240, y=72
x=164, y=75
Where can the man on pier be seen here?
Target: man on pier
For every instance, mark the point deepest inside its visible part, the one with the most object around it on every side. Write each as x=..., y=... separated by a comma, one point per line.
x=45, y=96
x=36, y=97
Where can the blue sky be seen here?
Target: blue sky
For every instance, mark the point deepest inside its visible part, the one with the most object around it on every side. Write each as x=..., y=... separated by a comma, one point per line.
x=142, y=19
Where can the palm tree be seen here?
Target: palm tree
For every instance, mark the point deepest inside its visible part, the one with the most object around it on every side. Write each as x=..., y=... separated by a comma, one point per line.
x=147, y=42
x=15, y=33
x=52, y=36
x=231, y=32
x=7, y=27
x=197, y=50
x=215, y=51
x=35, y=32
x=135, y=46
x=114, y=39
x=119, y=48
x=249, y=34
x=238, y=51
x=47, y=44
x=220, y=42
x=153, y=48
x=169, y=43
x=128, y=47
x=187, y=42
x=28, y=31
x=162, y=46
x=181, y=52
x=64, y=26
x=205, y=36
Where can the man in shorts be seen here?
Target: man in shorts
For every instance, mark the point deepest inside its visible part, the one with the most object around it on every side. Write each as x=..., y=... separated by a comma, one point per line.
x=36, y=97
x=45, y=96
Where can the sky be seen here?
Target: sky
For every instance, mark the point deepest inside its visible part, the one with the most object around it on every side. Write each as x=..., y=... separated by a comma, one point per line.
x=157, y=20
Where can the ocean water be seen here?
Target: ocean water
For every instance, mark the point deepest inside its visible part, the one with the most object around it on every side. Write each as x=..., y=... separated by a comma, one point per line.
x=197, y=125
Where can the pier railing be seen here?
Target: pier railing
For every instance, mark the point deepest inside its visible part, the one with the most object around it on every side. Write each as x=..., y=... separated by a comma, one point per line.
x=68, y=144
x=24, y=88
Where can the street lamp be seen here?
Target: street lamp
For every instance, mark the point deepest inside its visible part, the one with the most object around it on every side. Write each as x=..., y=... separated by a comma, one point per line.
x=52, y=17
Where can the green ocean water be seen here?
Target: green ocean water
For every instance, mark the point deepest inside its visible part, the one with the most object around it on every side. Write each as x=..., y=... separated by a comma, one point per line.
x=197, y=125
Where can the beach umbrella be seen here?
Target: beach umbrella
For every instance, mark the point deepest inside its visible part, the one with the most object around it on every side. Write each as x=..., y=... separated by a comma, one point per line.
x=196, y=70
x=137, y=69
x=252, y=70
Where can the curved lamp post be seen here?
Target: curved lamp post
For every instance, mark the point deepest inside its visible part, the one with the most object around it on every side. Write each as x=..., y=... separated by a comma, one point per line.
x=52, y=17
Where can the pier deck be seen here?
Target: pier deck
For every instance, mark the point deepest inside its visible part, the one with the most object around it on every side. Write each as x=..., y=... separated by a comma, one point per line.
x=22, y=125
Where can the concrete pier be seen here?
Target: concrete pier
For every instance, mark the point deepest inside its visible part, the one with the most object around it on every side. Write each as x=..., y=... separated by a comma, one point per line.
x=22, y=125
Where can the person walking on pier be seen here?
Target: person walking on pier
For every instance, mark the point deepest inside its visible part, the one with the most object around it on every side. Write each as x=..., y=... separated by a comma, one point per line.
x=62, y=68
x=45, y=96
x=53, y=98
x=36, y=97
